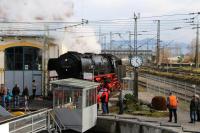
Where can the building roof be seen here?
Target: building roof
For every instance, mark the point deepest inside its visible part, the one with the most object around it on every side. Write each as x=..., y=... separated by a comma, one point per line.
x=77, y=83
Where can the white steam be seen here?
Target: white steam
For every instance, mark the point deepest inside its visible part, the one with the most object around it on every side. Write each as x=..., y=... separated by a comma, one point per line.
x=50, y=10
x=80, y=42
x=30, y=10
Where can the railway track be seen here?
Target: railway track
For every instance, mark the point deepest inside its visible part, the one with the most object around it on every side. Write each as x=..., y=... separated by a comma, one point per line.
x=175, y=71
x=183, y=90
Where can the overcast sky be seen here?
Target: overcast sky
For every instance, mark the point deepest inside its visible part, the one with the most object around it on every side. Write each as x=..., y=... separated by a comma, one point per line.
x=93, y=10
x=105, y=9
x=112, y=9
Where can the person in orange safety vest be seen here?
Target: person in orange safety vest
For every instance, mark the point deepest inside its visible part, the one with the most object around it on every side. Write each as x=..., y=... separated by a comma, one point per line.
x=172, y=104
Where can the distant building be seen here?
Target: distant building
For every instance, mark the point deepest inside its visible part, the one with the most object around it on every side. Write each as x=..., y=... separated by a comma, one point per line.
x=24, y=58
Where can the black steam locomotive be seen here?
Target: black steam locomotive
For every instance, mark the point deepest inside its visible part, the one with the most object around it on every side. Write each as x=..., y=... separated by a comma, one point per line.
x=74, y=64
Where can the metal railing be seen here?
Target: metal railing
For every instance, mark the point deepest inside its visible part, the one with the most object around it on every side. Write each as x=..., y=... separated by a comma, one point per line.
x=38, y=121
x=57, y=126
x=30, y=124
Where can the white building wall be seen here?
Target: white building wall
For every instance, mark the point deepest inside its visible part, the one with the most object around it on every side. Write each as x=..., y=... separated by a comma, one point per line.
x=53, y=53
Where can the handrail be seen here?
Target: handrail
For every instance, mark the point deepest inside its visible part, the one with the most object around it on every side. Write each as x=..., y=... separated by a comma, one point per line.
x=59, y=120
x=55, y=121
x=26, y=126
x=15, y=119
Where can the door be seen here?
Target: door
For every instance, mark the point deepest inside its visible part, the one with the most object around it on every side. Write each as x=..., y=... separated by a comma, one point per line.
x=38, y=80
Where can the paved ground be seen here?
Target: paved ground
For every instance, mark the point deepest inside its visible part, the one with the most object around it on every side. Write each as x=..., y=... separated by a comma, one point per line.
x=183, y=114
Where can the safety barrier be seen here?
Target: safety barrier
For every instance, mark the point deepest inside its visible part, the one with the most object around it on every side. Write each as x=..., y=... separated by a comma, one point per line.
x=31, y=123
x=107, y=124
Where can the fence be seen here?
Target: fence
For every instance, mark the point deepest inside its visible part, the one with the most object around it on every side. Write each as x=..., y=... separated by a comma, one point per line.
x=162, y=86
x=32, y=123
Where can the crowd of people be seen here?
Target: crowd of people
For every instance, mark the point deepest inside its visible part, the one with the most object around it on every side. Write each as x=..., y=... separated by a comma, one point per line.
x=172, y=104
x=12, y=99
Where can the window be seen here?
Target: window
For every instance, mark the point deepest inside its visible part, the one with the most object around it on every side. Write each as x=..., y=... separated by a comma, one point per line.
x=23, y=58
x=91, y=97
x=64, y=97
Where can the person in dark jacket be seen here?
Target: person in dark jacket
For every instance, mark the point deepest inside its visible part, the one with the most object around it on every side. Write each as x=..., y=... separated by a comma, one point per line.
x=25, y=94
x=121, y=107
x=34, y=88
x=193, y=108
x=198, y=108
x=3, y=93
x=15, y=93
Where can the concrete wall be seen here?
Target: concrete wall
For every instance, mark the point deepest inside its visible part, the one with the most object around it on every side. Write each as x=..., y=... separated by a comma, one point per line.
x=112, y=125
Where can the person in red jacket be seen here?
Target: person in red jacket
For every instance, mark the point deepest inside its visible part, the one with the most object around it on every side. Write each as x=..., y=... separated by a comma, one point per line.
x=107, y=99
x=104, y=99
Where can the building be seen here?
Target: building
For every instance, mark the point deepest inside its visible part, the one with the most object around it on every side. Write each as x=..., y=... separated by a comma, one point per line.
x=23, y=59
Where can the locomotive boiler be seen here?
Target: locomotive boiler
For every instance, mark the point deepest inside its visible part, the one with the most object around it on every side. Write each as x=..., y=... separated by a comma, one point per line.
x=81, y=66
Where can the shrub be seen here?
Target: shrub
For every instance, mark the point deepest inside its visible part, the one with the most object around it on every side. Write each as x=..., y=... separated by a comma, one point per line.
x=159, y=103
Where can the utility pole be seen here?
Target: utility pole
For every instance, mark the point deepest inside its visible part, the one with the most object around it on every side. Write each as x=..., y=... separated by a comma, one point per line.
x=135, y=91
x=135, y=34
x=130, y=45
x=197, y=47
x=110, y=40
x=104, y=42
x=100, y=39
x=158, y=44
x=45, y=80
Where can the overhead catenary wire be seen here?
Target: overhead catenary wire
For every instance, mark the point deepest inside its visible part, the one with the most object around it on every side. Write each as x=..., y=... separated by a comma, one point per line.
x=115, y=25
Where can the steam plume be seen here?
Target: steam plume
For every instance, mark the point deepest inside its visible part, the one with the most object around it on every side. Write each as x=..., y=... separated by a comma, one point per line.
x=50, y=10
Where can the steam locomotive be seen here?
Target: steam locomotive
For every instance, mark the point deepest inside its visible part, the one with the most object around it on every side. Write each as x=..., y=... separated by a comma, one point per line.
x=77, y=65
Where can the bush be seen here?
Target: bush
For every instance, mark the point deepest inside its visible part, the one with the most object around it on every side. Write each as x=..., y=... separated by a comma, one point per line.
x=128, y=97
x=159, y=103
